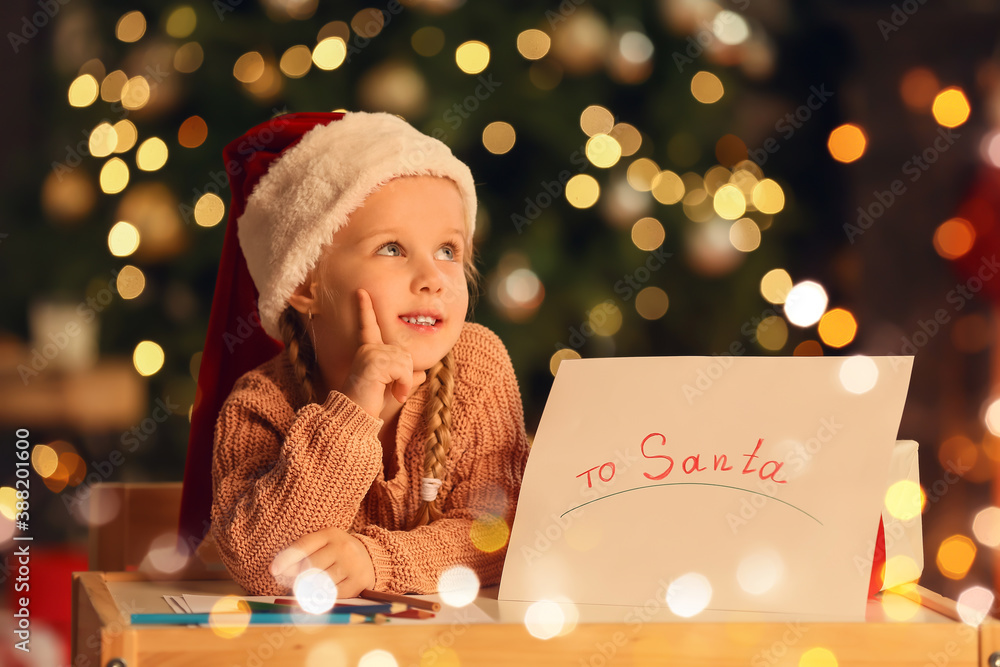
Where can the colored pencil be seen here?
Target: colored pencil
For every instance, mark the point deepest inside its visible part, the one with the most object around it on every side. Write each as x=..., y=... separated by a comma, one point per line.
x=255, y=619
x=366, y=609
x=429, y=605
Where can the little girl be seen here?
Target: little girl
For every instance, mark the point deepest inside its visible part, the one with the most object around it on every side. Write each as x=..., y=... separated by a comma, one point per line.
x=385, y=443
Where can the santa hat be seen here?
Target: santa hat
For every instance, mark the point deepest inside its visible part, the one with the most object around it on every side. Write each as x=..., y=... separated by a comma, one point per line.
x=294, y=179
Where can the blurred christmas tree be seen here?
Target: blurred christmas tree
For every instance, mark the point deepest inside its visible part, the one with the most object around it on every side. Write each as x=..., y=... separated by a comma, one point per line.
x=623, y=153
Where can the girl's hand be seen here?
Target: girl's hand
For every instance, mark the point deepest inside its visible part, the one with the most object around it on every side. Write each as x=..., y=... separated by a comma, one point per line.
x=378, y=365
x=336, y=552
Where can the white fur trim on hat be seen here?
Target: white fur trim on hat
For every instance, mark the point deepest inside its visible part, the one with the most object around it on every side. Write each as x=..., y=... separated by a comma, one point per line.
x=308, y=192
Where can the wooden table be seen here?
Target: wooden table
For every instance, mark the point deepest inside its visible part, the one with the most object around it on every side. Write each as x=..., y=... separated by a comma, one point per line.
x=492, y=632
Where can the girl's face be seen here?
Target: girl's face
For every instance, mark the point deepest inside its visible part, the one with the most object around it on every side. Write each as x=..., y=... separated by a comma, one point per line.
x=405, y=246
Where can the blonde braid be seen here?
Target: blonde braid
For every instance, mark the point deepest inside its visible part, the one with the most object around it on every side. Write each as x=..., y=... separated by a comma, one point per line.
x=437, y=416
x=300, y=349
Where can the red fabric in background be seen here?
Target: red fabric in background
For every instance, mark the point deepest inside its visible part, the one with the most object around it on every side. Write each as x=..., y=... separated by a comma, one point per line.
x=878, y=563
x=235, y=342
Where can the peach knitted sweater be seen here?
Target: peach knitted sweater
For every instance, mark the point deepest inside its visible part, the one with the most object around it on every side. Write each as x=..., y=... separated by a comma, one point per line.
x=282, y=468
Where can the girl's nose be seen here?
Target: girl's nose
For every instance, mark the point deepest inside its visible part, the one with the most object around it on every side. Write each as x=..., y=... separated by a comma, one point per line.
x=427, y=276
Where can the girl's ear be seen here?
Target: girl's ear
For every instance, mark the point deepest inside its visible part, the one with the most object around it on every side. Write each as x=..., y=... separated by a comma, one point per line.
x=304, y=299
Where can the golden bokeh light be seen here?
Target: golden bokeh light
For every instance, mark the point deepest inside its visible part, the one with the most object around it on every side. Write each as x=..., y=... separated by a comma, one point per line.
x=181, y=22
x=368, y=22
x=123, y=239
x=641, y=173
x=603, y=151
x=745, y=235
x=706, y=88
x=648, y=234
x=489, y=533
x=745, y=181
x=131, y=27
x=148, y=358
x=605, y=319
x=151, y=154
x=189, y=57
x=230, y=617
x=135, y=93
x=818, y=657
x=192, y=132
x=652, y=303
x=126, y=135
x=582, y=191
x=44, y=460
x=209, y=210
x=768, y=197
x=559, y=357
x=775, y=285
x=533, y=44
x=114, y=176
x=698, y=205
x=667, y=187
x=955, y=556
x=296, y=61
x=8, y=501
x=904, y=500
x=847, y=143
x=428, y=41
x=499, y=137
x=334, y=29
x=103, y=140
x=729, y=202
x=772, y=333
x=472, y=57
x=715, y=178
x=111, y=87
x=954, y=238
x=806, y=303
x=596, y=119
x=837, y=327
x=628, y=137
x=131, y=281
x=951, y=107
x=330, y=53
x=249, y=67
x=83, y=91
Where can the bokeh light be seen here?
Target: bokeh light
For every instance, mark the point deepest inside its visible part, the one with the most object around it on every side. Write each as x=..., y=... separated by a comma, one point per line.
x=689, y=594
x=192, y=132
x=209, y=210
x=428, y=41
x=955, y=556
x=559, y=357
x=114, y=176
x=533, y=44
x=768, y=197
x=181, y=22
x=123, y=239
x=378, y=658
x=837, y=327
x=904, y=500
x=847, y=143
x=596, y=119
x=130, y=282
x=151, y=154
x=775, y=286
x=951, y=107
x=499, y=137
x=489, y=533
x=315, y=590
x=458, y=586
x=544, y=619
x=603, y=151
x=918, y=87
x=805, y=303
x=858, y=374
x=135, y=93
x=986, y=526
x=706, y=88
x=818, y=657
x=230, y=617
x=605, y=319
x=667, y=187
x=759, y=572
x=745, y=235
x=582, y=191
x=83, y=91
x=974, y=604
x=729, y=202
x=330, y=53
x=648, y=234
x=651, y=303
x=147, y=358
x=472, y=57
x=772, y=333
x=131, y=27
x=954, y=238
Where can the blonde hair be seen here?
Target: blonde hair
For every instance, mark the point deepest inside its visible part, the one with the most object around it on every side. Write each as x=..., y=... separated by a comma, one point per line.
x=301, y=351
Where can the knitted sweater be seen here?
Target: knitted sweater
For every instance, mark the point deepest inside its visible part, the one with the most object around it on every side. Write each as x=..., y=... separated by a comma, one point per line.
x=282, y=468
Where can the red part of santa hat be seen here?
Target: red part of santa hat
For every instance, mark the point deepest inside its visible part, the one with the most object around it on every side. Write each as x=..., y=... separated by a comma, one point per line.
x=294, y=179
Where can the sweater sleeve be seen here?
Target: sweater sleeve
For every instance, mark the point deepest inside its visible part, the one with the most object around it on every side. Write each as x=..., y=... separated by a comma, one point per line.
x=479, y=509
x=273, y=484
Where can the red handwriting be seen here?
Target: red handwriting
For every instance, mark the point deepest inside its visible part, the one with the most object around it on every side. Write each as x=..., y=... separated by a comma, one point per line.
x=690, y=465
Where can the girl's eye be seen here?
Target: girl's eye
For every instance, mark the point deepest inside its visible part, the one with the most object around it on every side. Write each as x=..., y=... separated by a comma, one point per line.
x=446, y=252
x=390, y=249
